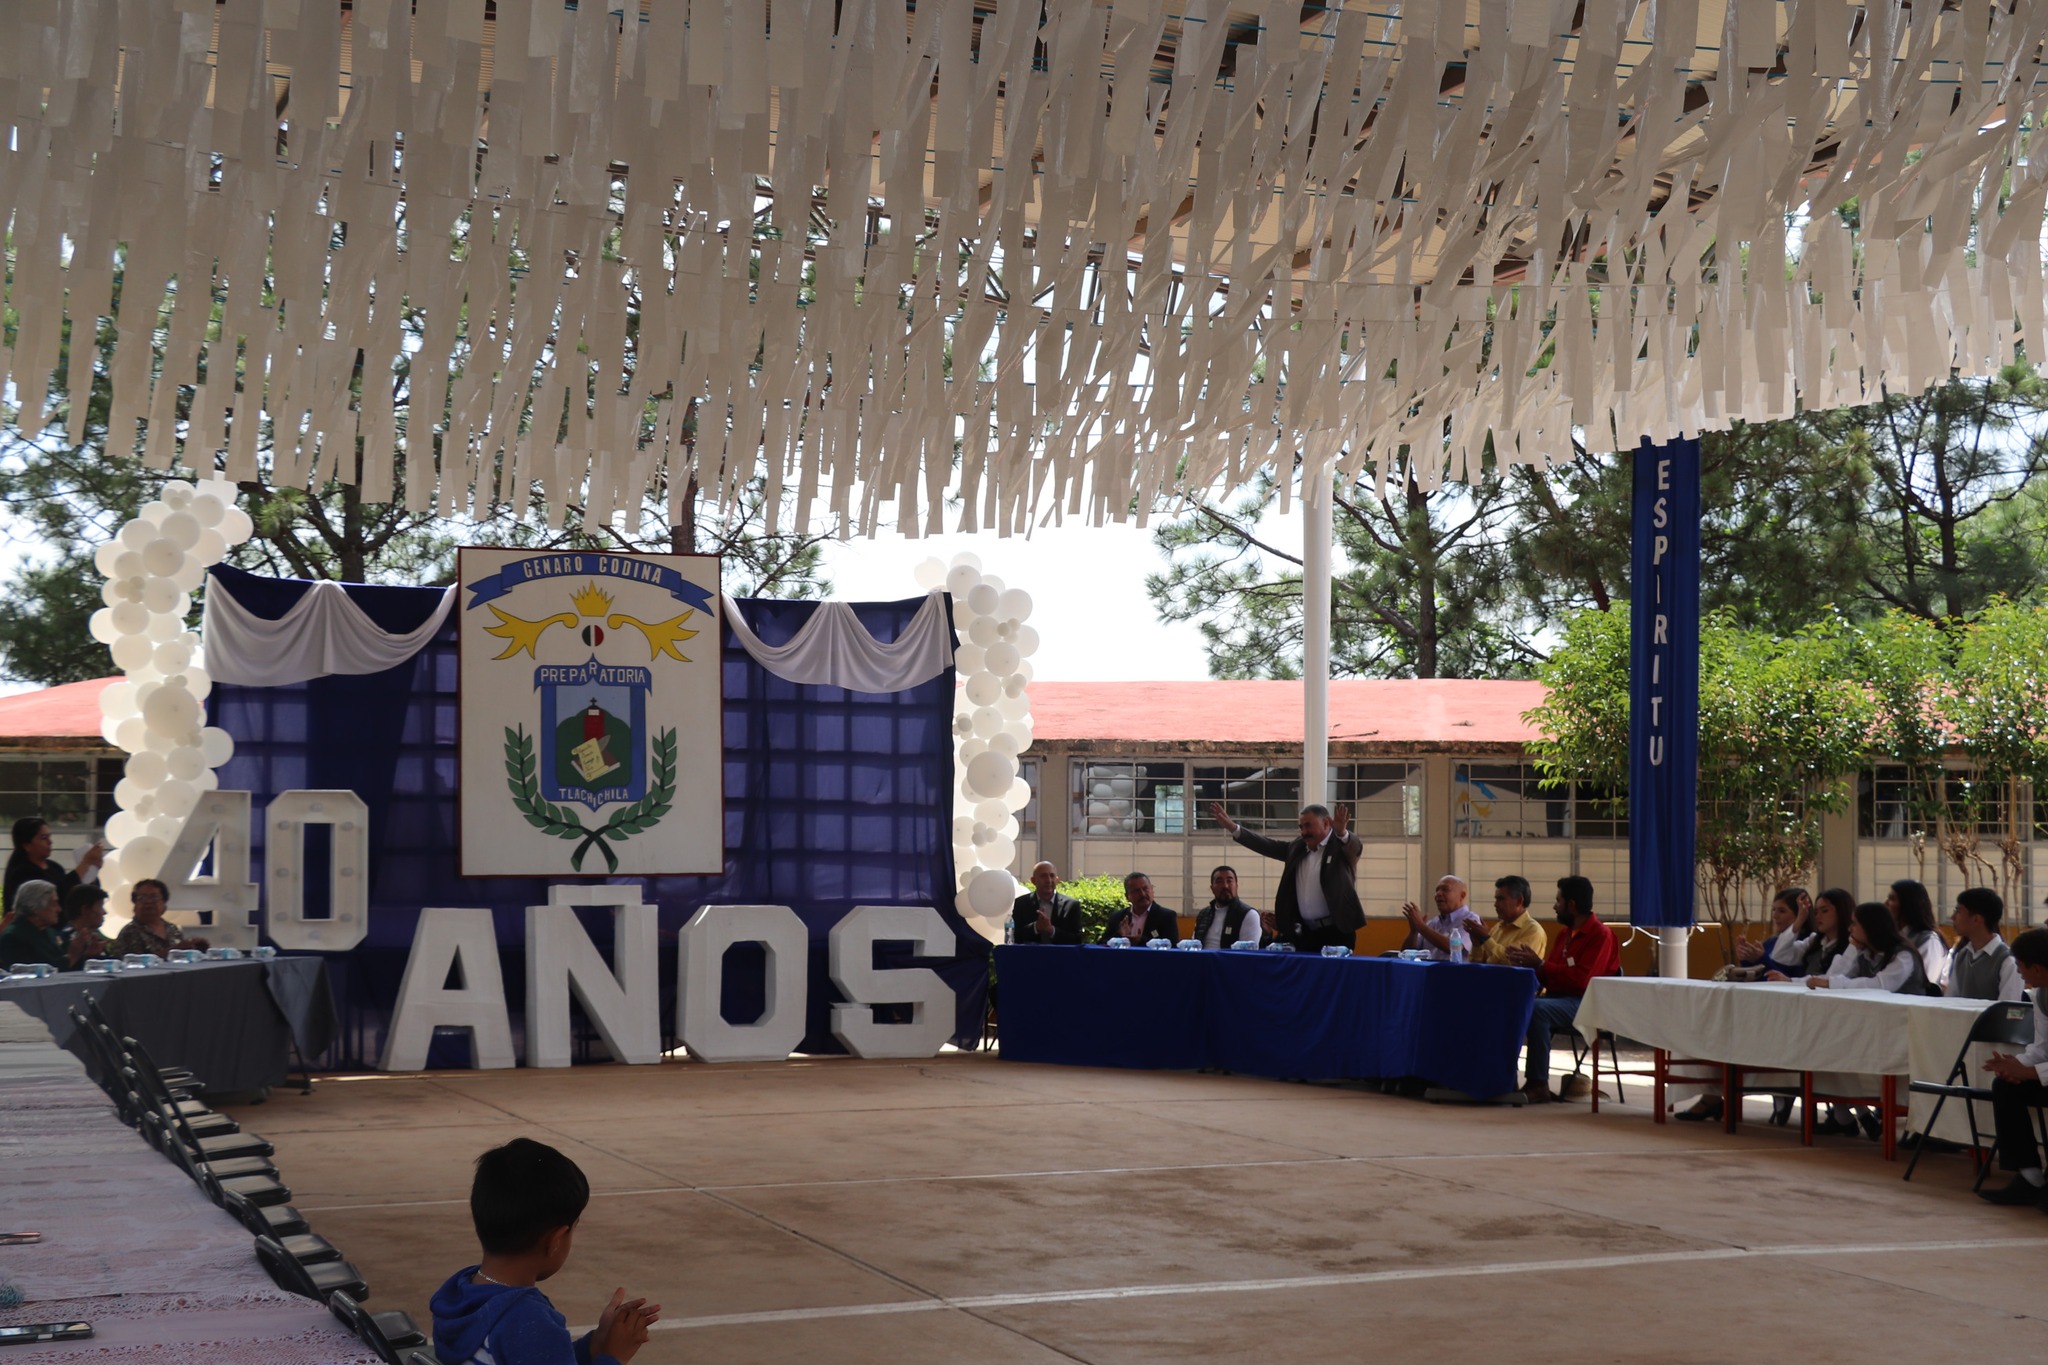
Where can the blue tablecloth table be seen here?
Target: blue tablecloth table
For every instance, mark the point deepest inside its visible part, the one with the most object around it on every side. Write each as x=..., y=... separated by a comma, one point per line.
x=1288, y=1015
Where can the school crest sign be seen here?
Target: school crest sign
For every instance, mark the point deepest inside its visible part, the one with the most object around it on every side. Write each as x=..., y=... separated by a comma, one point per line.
x=590, y=714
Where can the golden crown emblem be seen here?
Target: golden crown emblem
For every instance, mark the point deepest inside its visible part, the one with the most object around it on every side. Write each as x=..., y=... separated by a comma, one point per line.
x=592, y=601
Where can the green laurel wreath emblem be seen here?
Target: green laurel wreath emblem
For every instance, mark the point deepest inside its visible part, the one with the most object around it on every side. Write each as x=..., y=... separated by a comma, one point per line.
x=562, y=823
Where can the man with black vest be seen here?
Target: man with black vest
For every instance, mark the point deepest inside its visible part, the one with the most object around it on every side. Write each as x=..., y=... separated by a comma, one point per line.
x=1981, y=967
x=1226, y=921
x=1317, y=903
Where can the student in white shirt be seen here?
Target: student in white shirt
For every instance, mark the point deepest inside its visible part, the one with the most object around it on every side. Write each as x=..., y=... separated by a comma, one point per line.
x=1912, y=910
x=1879, y=958
x=1981, y=967
x=2017, y=1088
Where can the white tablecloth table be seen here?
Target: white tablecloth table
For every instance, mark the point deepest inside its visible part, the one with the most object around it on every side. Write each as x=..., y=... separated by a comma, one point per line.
x=129, y=1244
x=1787, y=1026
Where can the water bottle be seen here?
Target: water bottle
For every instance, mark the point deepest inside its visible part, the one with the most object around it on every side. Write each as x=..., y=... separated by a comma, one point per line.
x=1457, y=937
x=1009, y=928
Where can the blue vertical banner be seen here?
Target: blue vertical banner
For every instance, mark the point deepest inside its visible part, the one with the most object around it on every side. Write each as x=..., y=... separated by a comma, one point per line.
x=1664, y=685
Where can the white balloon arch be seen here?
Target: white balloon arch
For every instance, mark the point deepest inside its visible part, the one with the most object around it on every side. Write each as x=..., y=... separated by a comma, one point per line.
x=156, y=712
x=991, y=729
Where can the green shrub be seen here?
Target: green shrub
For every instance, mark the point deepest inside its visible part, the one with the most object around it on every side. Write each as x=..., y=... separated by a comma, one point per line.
x=1100, y=898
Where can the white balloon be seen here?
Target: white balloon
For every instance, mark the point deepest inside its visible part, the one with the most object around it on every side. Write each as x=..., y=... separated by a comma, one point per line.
x=177, y=494
x=145, y=807
x=963, y=725
x=212, y=545
x=131, y=651
x=181, y=529
x=988, y=722
x=982, y=833
x=1002, y=659
x=103, y=557
x=132, y=734
x=1025, y=671
x=963, y=829
x=217, y=744
x=990, y=774
x=1020, y=730
x=119, y=700
x=186, y=762
x=968, y=659
x=162, y=556
x=128, y=564
x=190, y=574
x=208, y=781
x=1101, y=810
x=206, y=511
x=163, y=631
x=100, y=625
x=1020, y=795
x=216, y=488
x=991, y=893
x=1014, y=685
x=982, y=631
x=967, y=559
x=126, y=793
x=235, y=525
x=173, y=654
x=1016, y=708
x=930, y=573
x=176, y=798
x=123, y=826
x=154, y=511
x=959, y=580
x=1027, y=640
x=127, y=589
x=143, y=857
x=161, y=741
x=1005, y=743
x=128, y=618
x=148, y=770
x=999, y=852
x=161, y=595
x=1016, y=605
x=171, y=710
x=970, y=748
x=983, y=689
x=1098, y=828
x=993, y=581
x=137, y=534
x=982, y=599
x=198, y=682
x=990, y=812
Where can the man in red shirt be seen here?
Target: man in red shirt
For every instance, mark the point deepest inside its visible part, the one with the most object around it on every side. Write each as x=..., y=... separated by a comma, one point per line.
x=1584, y=950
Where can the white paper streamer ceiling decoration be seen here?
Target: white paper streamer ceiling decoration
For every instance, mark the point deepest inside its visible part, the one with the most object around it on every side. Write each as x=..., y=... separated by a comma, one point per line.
x=1084, y=252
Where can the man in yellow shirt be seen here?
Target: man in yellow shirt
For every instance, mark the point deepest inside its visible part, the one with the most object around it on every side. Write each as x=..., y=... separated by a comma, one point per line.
x=1517, y=928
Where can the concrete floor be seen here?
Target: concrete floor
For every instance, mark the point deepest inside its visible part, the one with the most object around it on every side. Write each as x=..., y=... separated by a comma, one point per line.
x=967, y=1209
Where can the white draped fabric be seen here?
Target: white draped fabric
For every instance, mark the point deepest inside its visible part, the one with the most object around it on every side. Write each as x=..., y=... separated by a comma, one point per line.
x=323, y=633
x=834, y=650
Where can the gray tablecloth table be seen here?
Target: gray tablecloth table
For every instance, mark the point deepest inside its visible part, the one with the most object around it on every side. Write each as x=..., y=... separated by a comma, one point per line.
x=232, y=1024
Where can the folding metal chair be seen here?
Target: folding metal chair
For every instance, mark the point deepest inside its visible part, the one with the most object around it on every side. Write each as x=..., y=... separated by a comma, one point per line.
x=2007, y=1022
x=315, y=1281
x=388, y=1334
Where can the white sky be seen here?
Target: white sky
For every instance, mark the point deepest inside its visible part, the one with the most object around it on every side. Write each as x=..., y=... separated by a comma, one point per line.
x=1087, y=586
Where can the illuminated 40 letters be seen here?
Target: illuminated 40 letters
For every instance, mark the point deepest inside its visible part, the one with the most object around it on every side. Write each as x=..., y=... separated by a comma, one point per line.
x=219, y=906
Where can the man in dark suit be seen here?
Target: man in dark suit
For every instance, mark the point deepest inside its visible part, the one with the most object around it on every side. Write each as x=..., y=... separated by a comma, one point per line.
x=1044, y=915
x=1141, y=920
x=1317, y=903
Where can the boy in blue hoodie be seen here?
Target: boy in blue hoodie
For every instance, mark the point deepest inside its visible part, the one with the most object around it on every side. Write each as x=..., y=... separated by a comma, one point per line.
x=525, y=1202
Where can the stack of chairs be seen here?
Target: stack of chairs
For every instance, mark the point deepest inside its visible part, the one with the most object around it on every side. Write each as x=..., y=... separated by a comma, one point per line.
x=234, y=1169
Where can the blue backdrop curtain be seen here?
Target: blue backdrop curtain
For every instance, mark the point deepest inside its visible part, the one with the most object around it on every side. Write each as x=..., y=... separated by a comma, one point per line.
x=832, y=799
